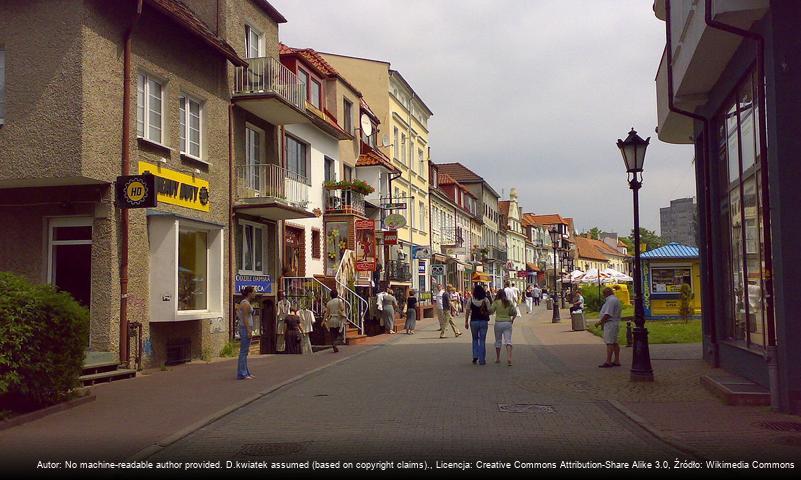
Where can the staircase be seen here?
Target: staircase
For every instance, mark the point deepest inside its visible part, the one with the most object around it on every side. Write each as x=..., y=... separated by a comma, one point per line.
x=103, y=367
x=315, y=292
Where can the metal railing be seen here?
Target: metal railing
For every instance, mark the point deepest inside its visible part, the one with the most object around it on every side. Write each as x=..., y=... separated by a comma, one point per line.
x=344, y=201
x=268, y=75
x=313, y=294
x=272, y=181
x=399, y=270
x=359, y=306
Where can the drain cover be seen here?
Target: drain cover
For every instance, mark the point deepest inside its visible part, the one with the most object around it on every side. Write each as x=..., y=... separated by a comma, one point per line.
x=781, y=426
x=524, y=408
x=269, y=449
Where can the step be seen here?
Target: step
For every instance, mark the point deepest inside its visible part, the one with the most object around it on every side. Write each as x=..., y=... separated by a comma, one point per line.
x=735, y=390
x=105, y=377
x=357, y=339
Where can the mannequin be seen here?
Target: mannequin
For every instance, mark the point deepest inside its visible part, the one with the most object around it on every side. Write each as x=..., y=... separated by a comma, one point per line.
x=284, y=307
x=307, y=322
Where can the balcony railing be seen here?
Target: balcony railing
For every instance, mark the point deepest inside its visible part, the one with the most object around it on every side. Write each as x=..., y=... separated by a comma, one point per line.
x=273, y=182
x=399, y=271
x=344, y=201
x=268, y=75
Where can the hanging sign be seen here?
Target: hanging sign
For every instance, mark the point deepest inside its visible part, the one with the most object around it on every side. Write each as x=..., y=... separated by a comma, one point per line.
x=437, y=270
x=365, y=246
x=393, y=206
x=261, y=283
x=136, y=191
x=178, y=188
x=395, y=221
x=421, y=253
x=390, y=237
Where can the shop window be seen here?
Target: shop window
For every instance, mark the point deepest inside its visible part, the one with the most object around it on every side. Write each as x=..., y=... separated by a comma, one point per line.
x=192, y=270
x=316, y=246
x=669, y=280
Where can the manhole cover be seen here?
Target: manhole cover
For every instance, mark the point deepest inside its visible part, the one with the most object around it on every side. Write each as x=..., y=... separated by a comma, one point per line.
x=791, y=441
x=781, y=426
x=524, y=408
x=269, y=449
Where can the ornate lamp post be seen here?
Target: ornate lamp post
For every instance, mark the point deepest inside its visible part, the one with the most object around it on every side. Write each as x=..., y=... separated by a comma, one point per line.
x=633, y=151
x=565, y=258
x=556, y=236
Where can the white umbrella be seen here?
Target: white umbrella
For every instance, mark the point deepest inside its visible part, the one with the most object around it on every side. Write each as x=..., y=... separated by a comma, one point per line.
x=576, y=275
x=616, y=275
x=591, y=276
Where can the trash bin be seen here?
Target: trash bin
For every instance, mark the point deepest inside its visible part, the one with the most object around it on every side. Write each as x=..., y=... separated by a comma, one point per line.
x=577, y=319
x=549, y=303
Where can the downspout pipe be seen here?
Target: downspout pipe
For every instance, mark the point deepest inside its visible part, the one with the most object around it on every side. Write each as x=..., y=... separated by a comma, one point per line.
x=231, y=224
x=705, y=170
x=771, y=354
x=126, y=170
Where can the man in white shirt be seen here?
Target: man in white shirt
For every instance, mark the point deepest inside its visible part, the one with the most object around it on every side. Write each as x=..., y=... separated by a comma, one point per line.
x=512, y=294
x=537, y=295
x=438, y=311
x=610, y=320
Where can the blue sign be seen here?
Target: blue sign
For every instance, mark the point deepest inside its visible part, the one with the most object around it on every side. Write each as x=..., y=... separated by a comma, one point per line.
x=421, y=267
x=262, y=283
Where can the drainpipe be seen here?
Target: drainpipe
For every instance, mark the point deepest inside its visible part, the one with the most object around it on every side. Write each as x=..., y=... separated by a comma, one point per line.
x=705, y=172
x=771, y=354
x=231, y=260
x=126, y=170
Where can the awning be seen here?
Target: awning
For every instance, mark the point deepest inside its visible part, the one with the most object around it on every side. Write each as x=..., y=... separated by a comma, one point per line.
x=438, y=257
x=532, y=267
x=481, y=277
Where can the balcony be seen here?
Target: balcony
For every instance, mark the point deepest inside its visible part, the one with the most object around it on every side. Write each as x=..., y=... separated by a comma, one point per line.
x=272, y=192
x=399, y=271
x=344, y=201
x=496, y=254
x=267, y=89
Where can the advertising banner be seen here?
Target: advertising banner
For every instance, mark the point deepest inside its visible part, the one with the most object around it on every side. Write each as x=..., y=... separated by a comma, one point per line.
x=365, y=246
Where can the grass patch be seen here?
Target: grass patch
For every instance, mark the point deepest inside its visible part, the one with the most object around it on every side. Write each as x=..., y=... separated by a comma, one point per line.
x=229, y=350
x=628, y=311
x=659, y=331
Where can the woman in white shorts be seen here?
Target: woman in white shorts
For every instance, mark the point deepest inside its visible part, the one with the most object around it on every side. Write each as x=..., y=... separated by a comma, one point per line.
x=505, y=313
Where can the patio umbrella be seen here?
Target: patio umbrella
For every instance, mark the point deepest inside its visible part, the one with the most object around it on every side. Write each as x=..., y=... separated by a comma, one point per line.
x=616, y=275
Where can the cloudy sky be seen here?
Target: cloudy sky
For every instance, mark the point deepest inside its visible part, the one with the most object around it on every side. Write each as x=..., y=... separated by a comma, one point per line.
x=530, y=94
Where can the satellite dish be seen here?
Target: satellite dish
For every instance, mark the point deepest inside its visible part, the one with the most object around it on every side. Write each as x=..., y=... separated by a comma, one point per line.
x=385, y=140
x=367, y=125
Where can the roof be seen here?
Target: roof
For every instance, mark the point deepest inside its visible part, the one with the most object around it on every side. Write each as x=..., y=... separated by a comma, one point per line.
x=503, y=206
x=270, y=11
x=549, y=219
x=570, y=225
x=374, y=158
x=463, y=174
x=531, y=267
x=184, y=16
x=312, y=58
x=671, y=250
x=366, y=107
x=393, y=73
x=586, y=248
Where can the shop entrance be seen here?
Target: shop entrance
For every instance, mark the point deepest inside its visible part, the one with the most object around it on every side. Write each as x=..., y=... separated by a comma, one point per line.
x=69, y=265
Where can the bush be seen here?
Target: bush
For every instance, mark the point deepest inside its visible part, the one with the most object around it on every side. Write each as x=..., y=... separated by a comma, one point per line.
x=229, y=350
x=592, y=301
x=43, y=335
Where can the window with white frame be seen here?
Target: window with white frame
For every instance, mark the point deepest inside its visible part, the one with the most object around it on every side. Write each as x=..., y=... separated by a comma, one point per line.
x=250, y=247
x=2, y=86
x=410, y=208
x=420, y=166
x=149, y=100
x=411, y=157
x=296, y=158
x=396, y=143
x=403, y=148
x=190, y=113
x=422, y=216
x=254, y=43
x=253, y=154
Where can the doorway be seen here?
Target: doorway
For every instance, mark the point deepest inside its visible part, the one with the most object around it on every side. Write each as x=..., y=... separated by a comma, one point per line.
x=69, y=262
x=294, y=252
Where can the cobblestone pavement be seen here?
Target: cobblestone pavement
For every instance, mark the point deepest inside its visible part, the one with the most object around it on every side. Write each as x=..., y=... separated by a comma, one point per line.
x=421, y=398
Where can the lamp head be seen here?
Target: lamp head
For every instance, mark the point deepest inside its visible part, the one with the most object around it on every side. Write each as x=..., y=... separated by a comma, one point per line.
x=633, y=151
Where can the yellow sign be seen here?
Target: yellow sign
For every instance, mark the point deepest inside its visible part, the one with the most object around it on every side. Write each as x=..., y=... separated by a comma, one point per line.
x=178, y=188
x=135, y=191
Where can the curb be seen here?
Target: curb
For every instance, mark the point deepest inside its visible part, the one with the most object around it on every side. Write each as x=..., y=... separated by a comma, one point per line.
x=151, y=450
x=648, y=427
x=37, y=414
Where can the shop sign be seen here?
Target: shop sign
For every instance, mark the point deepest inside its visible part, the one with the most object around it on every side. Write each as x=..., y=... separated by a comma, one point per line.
x=136, y=191
x=178, y=188
x=395, y=221
x=390, y=237
x=426, y=296
x=393, y=206
x=365, y=246
x=522, y=274
x=262, y=283
x=421, y=253
x=438, y=270
x=453, y=251
x=421, y=267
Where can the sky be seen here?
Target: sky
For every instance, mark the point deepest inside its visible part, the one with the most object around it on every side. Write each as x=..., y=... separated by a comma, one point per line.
x=531, y=94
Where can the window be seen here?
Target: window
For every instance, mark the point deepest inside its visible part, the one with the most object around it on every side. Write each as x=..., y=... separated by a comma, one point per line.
x=395, y=143
x=420, y=165
x=253, y=166
x=296, y=158
x=2, y=86
x=348, y=173
x=314, y=93
x=149, y=95
x=411, y=156
x=330, y=170
x=422, y=216
x=250, y=245
x=192, y=270
x=669, y=280
x=303, y=77
x=190, y=118
x=254, y=43
x=403, y=148
x=316, y=246
x=347, y=114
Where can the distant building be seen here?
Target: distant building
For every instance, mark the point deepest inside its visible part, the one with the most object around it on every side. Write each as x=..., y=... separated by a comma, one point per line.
x=678, y=221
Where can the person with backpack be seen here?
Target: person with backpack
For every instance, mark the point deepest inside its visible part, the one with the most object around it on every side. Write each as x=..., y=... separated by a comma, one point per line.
x=505, y=313
x=476, y=318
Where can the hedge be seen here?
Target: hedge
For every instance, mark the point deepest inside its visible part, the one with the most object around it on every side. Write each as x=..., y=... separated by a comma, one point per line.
x=43, y=337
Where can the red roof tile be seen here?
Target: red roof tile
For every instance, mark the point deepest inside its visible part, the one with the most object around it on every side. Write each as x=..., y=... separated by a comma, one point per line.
x=586, y=248
x=459, y=172
x=550, y=219
x=317, y=62
x=374, y=158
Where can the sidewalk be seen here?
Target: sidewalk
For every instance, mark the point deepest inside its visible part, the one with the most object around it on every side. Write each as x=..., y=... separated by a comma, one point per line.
x=158, y=407
x=675, y=407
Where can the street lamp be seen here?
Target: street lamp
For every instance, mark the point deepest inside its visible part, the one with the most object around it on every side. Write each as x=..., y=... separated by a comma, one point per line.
x=556, y=236
x=633, y=151
x=565, y=258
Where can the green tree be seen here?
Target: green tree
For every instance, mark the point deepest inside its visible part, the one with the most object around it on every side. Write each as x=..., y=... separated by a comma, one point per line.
x=686, y=295
x=594, y=233
x=629, y=244
x=649, y=238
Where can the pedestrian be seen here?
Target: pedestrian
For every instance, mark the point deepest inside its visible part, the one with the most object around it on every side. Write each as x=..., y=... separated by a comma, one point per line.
x=454, y=299
x=578, y=302
x=438, y=301
x=610, y=321
x=283, y=307
x=529, y=299
x=244, y=313
x=512, y=294
x=335, y=317
x=537, y=294
x=388, y=306
x=476, y=318
x=293, y=332
x=466, y=301
x=447, y=315
x=505, y=314
x=411, y=312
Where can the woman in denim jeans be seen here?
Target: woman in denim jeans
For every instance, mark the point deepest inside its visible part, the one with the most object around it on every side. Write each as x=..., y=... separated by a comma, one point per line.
x=505, y=312
x=244, y=312
x=477, y=317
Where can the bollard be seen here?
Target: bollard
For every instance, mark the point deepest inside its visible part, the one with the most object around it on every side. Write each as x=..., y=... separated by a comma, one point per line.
x=628, y=334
